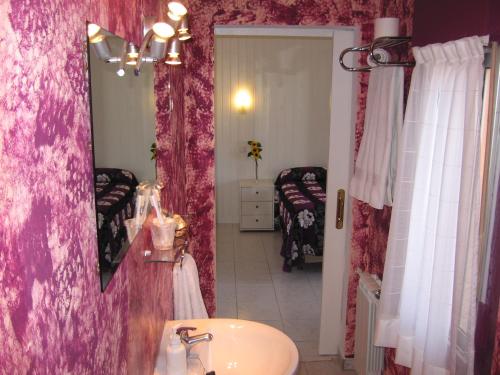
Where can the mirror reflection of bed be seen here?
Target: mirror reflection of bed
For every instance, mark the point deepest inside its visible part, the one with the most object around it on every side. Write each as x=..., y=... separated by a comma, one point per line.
x=123, y=129
x=272, y=273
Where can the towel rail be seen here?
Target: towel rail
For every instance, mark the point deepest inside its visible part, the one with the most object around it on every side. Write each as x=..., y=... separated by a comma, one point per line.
x=383, y=42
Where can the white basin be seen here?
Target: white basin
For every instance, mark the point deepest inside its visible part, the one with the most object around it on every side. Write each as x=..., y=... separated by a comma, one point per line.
x=238, y=347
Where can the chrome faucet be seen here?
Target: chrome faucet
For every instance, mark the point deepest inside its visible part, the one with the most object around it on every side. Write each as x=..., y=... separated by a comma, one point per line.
x=190, y=341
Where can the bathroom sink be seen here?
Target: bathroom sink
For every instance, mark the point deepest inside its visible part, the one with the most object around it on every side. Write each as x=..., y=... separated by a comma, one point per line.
x=238, y=347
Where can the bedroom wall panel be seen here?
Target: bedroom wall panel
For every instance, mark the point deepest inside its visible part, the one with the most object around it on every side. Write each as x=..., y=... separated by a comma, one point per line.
x=55, y=320
x=289, y=79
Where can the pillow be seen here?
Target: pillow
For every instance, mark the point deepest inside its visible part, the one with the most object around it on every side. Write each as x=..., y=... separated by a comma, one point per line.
x=301, y=174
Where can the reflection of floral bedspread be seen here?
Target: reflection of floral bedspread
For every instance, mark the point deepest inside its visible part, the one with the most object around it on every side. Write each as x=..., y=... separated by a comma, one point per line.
x=301, y=199
x=114, y=190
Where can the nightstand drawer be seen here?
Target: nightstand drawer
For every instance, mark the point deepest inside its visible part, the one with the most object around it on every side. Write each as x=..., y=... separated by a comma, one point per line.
x=256, y=222
x=256, y=208
x=256, y=194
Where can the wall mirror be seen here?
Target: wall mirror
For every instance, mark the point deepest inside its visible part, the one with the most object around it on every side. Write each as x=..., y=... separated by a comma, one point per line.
x=123, y=131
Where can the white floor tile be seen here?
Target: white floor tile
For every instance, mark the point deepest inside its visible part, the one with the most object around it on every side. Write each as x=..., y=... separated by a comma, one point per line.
x=224, y=233
x=250, y=253
x=226, y=309
x=308, y=352
x=257, y=302
x=302, y=369
x=225, y=253
x=302, y=329
x=252, y=272
x=332, y=367
x=299, y=308
x=226, y=290
x=225, y=272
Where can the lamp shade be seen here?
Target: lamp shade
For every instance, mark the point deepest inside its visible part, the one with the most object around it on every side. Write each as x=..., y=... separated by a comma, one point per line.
x=183, y=28
x=101, y=47
x=177, y=8
x=93, y=30
x=163, y=29
x=174, y=47
x=173, y=60
x=158, y=47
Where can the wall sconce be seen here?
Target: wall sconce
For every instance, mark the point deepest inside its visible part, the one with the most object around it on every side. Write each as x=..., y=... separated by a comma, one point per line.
x=242, y=101
x=161, y=40
x=163, y=32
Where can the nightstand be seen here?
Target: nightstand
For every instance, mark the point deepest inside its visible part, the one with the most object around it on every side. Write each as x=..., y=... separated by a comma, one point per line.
x=257, y=205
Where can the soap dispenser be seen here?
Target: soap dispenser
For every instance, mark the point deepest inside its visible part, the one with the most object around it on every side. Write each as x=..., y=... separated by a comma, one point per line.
x=176, y=355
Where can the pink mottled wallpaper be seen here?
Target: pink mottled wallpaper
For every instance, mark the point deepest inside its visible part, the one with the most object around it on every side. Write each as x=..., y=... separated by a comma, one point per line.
x=54, y=317
x=370, y=226
x=170, y=135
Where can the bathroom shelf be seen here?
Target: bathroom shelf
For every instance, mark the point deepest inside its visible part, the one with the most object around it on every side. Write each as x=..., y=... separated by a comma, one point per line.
x=173, y=255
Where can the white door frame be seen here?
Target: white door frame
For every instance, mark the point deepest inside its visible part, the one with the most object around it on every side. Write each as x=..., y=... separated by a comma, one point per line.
x=343, y=108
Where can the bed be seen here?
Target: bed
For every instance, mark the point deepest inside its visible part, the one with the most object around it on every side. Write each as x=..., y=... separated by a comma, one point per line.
x=114, y=191
x=301, y=198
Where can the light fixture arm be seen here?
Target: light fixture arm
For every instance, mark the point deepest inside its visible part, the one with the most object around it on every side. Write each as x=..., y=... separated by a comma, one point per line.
x=123, y=57
x=142, y=50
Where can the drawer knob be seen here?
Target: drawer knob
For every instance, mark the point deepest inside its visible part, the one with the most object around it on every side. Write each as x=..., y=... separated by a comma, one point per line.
x=257, y=220
x=256, y=192
x=257, y=206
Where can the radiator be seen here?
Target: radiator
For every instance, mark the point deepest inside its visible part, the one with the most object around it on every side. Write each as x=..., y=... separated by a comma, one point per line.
x=368, y=358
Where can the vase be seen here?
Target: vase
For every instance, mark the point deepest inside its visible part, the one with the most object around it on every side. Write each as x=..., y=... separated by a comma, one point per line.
x=256, y=170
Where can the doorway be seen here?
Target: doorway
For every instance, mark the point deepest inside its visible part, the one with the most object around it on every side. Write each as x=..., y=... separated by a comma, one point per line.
x=327, y=280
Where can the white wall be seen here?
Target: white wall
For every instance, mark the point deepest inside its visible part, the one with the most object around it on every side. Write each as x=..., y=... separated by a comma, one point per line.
x=290, y=78
x=123, y=117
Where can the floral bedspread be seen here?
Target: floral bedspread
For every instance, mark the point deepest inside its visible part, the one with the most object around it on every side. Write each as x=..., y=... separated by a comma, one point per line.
x=301, y=197
x=114, y=193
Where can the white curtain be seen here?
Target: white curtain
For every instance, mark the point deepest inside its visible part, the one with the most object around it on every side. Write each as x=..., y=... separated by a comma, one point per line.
x=376, y=162
x=427, y=307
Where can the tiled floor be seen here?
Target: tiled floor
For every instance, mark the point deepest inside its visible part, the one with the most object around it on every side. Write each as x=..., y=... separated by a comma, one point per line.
x=251, y=285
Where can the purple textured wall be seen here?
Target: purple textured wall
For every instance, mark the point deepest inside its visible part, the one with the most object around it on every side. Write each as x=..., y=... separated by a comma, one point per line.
x=462, y=18
x=371, y=226
x=170, y=135
x=54, y=317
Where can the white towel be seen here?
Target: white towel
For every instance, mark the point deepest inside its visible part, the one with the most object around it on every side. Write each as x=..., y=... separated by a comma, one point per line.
x=375, y=169
x=188, y=302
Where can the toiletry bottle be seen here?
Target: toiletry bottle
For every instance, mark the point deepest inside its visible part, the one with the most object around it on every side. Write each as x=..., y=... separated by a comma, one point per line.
x=176, y=355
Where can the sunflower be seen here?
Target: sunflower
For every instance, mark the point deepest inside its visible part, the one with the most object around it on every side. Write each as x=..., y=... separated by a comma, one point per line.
x=254, y=144
x=154, y=151
x=255, y=150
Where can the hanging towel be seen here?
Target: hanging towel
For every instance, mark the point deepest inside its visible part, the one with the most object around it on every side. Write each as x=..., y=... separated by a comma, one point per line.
x=188, y=303
x=375, y=168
